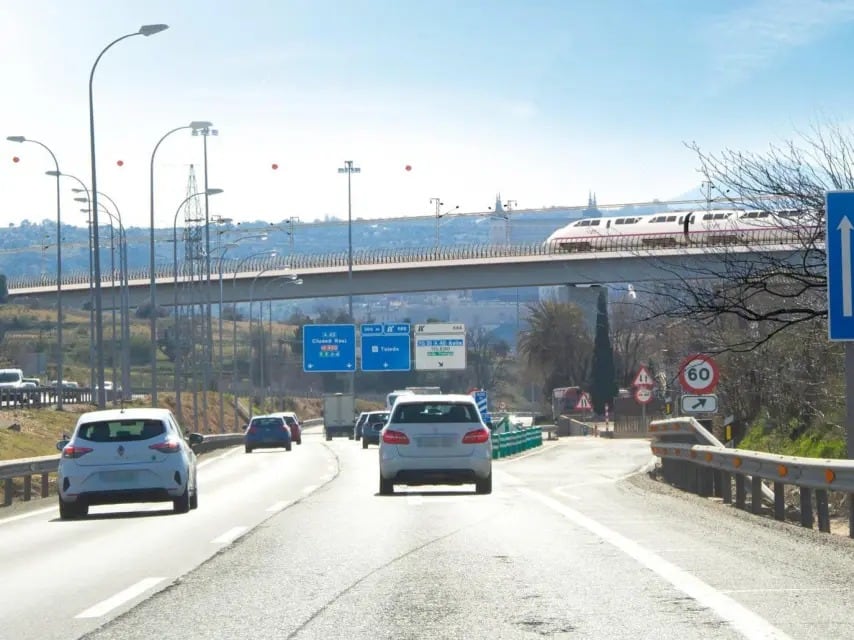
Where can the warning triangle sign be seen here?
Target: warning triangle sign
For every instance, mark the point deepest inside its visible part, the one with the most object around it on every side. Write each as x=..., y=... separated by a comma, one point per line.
x=643, y=379
x=584, y=402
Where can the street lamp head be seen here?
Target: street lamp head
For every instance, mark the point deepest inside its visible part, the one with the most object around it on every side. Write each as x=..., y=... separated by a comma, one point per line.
x=53, y=174
x=200, y=124
x=151, y=29
x=81, y=199
x=74, y=189
x=213, y=192
x=16, y=138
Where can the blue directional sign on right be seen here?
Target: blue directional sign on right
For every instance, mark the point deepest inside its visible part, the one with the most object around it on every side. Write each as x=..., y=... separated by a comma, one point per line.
x=839, y=215
x=385, y=347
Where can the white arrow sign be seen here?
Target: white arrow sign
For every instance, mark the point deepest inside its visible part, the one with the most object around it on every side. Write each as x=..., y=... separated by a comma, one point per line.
x=845, y=227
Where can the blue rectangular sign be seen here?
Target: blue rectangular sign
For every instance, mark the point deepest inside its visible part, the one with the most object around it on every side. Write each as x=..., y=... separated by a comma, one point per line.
x=328, y=348
x=839, y=216
x=385, y=347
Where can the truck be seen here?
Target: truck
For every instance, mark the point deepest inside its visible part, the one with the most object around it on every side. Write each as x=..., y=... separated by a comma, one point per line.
x=339, y=415
x=408, y=391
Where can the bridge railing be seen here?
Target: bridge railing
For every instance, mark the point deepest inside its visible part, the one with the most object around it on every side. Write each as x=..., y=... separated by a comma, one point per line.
x=712, y=471
x=642, y=244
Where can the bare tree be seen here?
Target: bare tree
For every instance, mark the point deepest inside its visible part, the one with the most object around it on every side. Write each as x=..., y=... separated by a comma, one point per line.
x=771, y=291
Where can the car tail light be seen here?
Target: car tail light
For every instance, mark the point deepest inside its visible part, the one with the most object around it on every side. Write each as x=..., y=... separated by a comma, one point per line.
x=170, y=446
x=395, y=437
x=70, y=451
x=252, y=429
x=478, y=436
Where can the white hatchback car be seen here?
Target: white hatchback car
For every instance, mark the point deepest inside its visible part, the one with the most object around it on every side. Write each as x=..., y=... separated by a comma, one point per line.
x=127, y=455
x=435, y=439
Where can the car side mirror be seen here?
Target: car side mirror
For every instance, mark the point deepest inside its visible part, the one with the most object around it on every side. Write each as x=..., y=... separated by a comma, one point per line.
x=61, y=445
x=195, y=438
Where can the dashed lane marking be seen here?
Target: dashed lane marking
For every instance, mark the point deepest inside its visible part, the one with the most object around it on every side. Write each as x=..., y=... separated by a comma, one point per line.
x=230, y=536
x=133, y=591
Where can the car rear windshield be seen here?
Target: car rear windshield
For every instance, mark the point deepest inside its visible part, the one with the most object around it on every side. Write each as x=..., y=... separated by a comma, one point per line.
x=290, y=421
x=267, y=423
x=435, y=412
x=377, y=417
x=9, y=376
x=121, y=430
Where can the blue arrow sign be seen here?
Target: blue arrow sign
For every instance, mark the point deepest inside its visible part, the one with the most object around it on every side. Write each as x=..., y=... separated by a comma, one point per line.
x=839, y=216
x=385, y=347
x=328, y=348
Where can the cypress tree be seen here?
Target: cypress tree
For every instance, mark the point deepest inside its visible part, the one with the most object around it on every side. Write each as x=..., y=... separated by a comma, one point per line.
x=603, y=386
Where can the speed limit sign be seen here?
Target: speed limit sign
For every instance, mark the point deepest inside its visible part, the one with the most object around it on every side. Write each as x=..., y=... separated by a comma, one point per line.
x=698, y=374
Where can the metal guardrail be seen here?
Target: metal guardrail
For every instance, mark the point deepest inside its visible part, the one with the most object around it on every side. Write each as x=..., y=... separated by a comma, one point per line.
x=711, y=471
x=43, y=396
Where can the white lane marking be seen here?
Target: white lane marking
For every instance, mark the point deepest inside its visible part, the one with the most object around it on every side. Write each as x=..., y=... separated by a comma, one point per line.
x=104, y=607
x=230, y=536
x=309, y=488
x=741, y=618
x=207, y=461
x=278, y=506
x=29, y=514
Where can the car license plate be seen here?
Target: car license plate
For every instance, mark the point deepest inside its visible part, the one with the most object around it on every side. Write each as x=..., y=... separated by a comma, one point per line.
x=118, y=476
x=440, y=441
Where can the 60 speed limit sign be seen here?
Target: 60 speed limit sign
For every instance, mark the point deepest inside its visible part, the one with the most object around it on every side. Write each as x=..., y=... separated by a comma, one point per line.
x=698, y=374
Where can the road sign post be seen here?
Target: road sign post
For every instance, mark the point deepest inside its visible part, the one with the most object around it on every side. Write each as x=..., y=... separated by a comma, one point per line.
x=328, y=348
x=839, y=218
x=385, y=347
x=440, y=345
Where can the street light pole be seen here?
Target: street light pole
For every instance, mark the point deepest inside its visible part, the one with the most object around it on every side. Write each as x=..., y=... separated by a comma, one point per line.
x=145, y=30
x=59, y=346
x=178, y=354
x=151, y=258
x=234, y=330
x=439, y=215
x=349, y=169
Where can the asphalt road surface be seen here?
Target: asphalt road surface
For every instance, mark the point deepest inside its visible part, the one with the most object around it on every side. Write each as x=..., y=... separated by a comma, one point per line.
x=570, y=544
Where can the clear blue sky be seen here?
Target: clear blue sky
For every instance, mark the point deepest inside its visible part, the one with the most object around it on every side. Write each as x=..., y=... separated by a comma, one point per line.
x=540, y=100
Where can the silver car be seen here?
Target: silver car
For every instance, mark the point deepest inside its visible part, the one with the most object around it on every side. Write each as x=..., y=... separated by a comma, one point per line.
x=435, y=439
x=127, y=455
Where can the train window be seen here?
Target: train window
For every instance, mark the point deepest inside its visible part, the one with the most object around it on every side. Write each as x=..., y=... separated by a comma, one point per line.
x=594, y=223
x=659, y=219
x=671, y=218
x=708, y=216
x=721, y=216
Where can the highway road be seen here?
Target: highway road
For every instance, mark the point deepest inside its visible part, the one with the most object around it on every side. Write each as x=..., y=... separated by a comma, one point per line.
x=571, y=544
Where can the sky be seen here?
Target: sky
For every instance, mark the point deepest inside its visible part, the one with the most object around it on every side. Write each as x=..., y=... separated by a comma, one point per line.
x=541, y=101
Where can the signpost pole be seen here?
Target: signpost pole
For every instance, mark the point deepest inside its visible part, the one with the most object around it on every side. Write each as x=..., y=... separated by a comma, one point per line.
x=849, y=422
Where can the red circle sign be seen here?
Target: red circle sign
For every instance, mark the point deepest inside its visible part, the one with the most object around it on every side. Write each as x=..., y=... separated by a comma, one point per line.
x=643, y=395
x=698, y=374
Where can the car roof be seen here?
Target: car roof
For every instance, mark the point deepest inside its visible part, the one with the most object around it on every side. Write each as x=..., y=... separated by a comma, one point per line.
x=434, y=397
x=125, y=414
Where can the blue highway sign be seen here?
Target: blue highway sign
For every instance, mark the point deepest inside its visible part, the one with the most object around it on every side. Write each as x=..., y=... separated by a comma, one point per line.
x=328, y=348
x=385, y=347
x=840, y=295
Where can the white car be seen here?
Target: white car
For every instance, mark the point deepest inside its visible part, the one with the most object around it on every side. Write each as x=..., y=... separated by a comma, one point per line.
x=435, y=439
x=127, y=455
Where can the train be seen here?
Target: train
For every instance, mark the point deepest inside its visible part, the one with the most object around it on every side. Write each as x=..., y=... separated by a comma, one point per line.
x=673, y=229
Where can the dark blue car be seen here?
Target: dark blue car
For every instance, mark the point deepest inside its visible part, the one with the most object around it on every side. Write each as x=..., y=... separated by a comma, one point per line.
x=264, y=432
x=371, y=428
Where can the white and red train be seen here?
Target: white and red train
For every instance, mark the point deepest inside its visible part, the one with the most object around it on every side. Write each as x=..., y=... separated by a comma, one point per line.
x=678, y=229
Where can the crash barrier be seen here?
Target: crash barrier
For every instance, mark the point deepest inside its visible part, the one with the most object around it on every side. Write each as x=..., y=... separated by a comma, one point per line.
x=43, y=396
x=508, y=443
x=711, y=470
x=42, y=466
